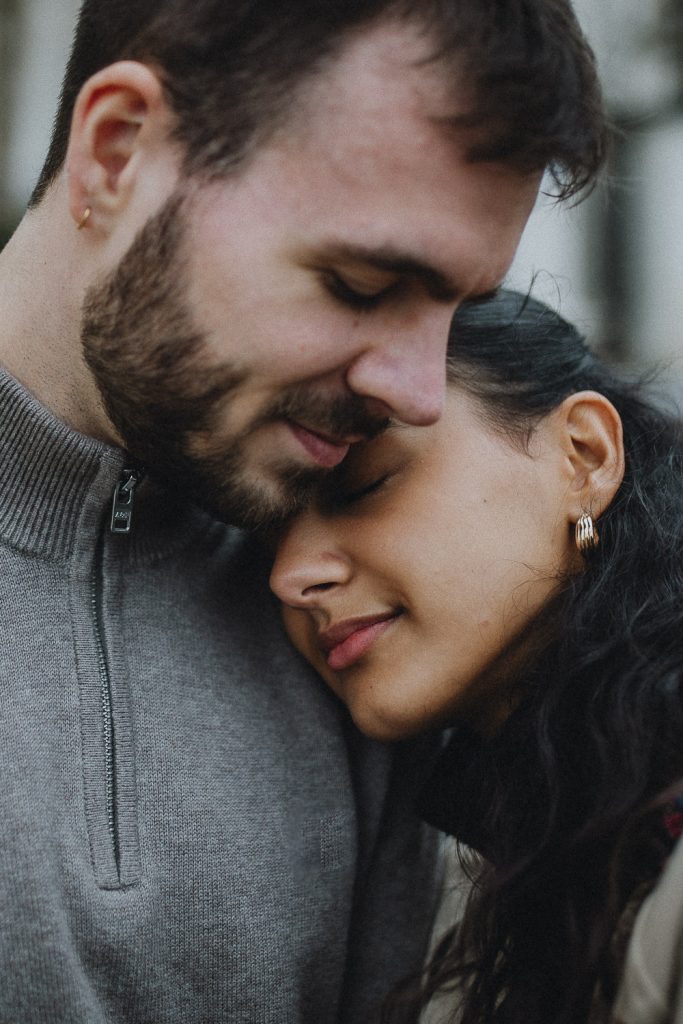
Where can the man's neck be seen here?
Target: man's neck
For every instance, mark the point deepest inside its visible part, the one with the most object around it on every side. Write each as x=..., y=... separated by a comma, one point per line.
x=40, y=297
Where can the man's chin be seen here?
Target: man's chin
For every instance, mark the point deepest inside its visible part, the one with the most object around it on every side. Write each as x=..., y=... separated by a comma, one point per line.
x=258, y=503
x=227, y=484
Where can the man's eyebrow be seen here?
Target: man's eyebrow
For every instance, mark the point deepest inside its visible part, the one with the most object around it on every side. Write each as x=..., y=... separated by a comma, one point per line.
x=436, y=284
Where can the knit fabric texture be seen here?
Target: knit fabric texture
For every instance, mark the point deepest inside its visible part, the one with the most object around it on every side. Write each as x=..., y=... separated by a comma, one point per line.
x=191, y=829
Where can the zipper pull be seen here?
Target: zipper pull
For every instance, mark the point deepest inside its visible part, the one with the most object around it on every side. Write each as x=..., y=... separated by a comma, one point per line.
x=124, y=500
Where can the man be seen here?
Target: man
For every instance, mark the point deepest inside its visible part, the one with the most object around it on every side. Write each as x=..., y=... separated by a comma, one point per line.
x=253, y=227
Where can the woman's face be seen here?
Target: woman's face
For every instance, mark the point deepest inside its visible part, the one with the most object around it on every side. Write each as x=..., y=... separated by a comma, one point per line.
x=429, y=552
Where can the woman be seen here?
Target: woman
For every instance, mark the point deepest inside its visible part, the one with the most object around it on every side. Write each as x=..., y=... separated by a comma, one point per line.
x=515, y=571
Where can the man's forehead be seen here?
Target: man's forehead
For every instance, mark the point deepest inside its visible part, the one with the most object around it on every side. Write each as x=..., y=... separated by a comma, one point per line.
x=387, y=64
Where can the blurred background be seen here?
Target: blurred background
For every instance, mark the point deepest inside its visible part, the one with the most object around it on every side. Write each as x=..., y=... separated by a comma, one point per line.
x=613, y=264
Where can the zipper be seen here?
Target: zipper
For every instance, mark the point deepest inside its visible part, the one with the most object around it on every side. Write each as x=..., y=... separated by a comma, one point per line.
x=106, y=703
x=121, y=522
x=124, y=501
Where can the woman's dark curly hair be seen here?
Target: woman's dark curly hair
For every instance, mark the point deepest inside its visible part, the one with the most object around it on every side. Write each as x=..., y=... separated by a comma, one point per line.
x=565, y=802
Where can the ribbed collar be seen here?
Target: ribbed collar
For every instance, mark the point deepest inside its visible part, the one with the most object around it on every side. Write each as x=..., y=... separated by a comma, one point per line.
x=55, y=483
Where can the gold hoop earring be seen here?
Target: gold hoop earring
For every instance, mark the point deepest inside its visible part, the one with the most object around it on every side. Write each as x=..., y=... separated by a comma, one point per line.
x=586, y=535
x=84, y=219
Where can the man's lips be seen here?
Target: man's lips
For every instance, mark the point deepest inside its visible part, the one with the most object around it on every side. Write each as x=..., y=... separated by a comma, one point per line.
x=348, y=641
x=327, y=452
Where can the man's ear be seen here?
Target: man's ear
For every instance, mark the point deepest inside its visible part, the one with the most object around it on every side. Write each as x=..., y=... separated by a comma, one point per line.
x=594, y=446
x=120, y=122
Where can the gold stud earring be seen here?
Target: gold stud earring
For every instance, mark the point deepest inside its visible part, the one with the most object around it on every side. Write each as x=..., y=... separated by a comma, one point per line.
x=586, y=535
x=85, y=218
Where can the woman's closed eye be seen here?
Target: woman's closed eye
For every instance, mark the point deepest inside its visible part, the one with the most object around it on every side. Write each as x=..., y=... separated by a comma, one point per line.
x=342, y=495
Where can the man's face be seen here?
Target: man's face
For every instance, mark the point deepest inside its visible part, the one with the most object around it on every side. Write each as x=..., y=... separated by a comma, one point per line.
x=260, y=325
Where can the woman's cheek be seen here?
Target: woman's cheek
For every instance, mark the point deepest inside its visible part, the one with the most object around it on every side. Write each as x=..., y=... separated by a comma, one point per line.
x=301, y=631
x=297, y=626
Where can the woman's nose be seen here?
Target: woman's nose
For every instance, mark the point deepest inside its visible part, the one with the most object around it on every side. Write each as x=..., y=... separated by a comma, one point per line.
x=308, y=563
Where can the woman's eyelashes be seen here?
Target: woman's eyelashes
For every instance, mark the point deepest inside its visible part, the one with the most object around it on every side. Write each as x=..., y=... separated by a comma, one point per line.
x=343, y=495
x=355, y=296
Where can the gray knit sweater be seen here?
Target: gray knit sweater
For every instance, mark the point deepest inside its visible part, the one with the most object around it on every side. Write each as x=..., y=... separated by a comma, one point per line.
x=190, y=831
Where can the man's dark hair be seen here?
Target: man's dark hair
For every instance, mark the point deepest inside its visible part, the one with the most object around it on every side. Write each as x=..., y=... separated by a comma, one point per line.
x=232, y=70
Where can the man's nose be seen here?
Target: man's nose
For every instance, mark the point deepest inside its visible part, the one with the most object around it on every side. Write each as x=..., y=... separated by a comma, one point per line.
x=406, y=371
x=308, y=563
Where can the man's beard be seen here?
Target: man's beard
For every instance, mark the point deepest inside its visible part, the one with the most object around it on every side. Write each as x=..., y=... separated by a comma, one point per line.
x=149, y=361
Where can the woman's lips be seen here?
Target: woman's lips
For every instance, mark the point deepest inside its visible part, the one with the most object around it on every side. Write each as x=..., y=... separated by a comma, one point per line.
x=346, y=643
x=325, y=452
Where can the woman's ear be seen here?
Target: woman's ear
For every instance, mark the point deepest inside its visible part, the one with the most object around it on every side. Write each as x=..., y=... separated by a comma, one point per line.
x=120, y=129
x=594, y=446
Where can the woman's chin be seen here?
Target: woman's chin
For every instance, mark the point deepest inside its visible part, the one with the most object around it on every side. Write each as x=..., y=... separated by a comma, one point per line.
x=385, y=724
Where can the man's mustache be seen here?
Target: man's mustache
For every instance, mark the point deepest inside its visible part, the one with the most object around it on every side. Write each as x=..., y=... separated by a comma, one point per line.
x=339, y=416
